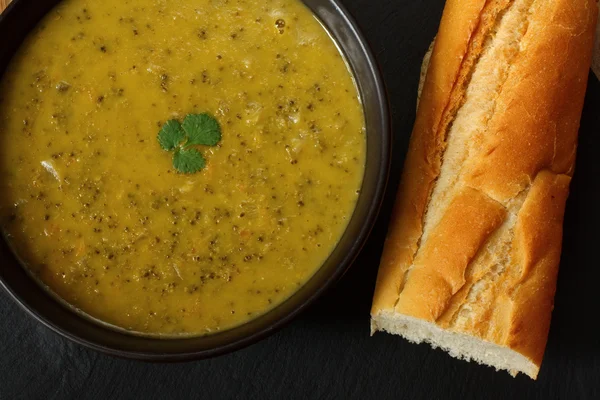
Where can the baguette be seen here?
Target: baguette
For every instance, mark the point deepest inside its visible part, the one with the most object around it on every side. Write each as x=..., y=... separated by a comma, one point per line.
x=471, y=257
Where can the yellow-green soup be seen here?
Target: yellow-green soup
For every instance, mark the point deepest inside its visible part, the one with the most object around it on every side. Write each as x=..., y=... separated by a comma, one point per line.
x=94, y=207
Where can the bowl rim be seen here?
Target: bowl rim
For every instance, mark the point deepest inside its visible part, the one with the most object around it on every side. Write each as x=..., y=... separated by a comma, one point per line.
x=353, y=251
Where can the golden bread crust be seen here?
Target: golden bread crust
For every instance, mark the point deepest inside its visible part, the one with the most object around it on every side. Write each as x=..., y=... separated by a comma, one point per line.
x=458, y=23
x=487, y=266
x=440, y=265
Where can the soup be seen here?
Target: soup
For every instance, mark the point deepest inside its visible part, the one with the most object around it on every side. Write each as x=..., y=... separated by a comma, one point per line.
x=97, y=211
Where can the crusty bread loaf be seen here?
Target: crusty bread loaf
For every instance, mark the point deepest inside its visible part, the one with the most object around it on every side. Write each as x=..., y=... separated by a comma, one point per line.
x=471, y=257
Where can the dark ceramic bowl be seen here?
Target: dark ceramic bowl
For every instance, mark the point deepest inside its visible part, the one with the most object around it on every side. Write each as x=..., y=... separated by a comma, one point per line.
x=16, y=22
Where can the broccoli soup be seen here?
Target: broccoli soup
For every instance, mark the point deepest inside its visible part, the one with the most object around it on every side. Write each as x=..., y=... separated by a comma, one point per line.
x=178, y=167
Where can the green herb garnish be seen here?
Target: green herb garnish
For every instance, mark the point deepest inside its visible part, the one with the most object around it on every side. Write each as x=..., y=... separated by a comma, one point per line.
x=170, y=135
x=197, y=129
x=202, y=129
x=188, y=161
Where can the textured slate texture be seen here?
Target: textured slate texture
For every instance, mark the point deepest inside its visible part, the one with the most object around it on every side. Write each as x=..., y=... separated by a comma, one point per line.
x=327, y=352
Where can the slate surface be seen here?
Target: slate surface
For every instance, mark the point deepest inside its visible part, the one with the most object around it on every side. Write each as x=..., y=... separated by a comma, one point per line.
x=327, y=352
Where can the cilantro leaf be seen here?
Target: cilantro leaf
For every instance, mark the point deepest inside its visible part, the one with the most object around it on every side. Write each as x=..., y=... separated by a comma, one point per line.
x=202, y=129
x=197, y=129
x=188, y=161
x=170, y=135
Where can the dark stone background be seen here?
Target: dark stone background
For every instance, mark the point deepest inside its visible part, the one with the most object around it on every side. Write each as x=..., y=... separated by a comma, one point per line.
x=327, y=352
